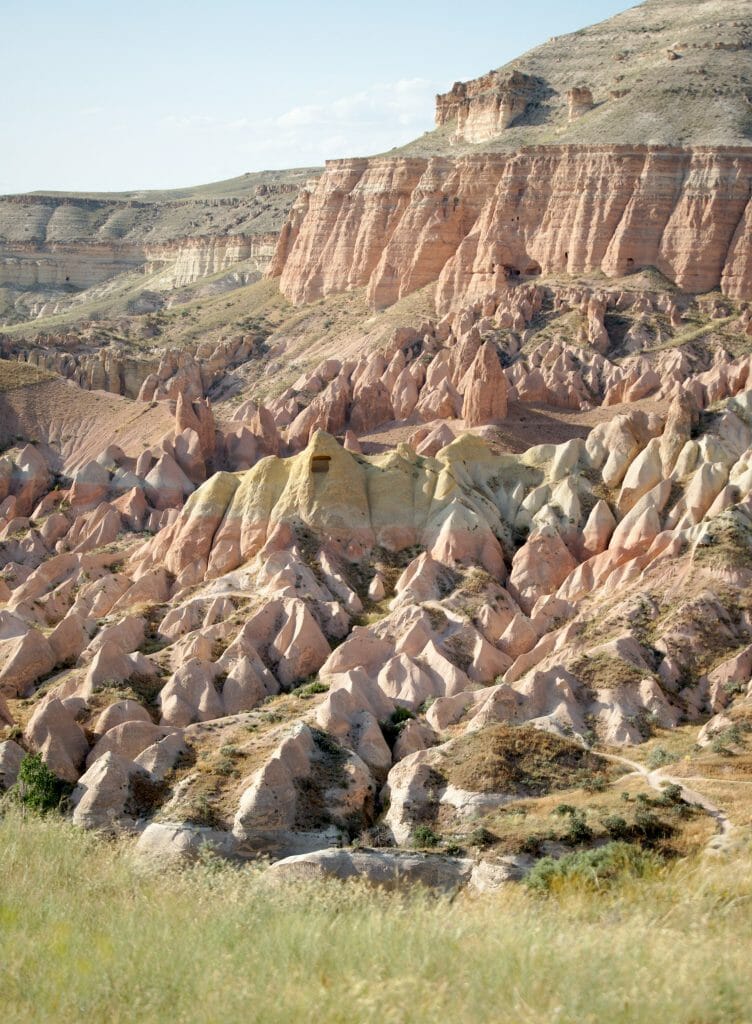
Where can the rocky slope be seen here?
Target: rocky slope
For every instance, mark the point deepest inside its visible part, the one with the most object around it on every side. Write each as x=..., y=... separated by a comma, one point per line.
x=295, y=575
x=662, y=73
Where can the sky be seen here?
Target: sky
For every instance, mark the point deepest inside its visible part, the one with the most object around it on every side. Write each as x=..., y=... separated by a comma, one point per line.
x=104, y=96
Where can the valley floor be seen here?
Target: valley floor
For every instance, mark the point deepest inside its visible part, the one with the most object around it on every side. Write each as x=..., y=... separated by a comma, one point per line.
x=89, y=934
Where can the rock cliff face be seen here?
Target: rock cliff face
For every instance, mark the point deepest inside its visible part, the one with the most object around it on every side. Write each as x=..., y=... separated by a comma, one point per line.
x=189, y=259
x=396, y=225
x=71, y=265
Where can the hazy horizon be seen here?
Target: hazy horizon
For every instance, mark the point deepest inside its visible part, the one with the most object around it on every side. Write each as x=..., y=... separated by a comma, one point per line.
x=166, y=98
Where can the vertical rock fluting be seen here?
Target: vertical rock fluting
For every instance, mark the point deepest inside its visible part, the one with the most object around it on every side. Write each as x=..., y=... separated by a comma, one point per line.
x=395, y=225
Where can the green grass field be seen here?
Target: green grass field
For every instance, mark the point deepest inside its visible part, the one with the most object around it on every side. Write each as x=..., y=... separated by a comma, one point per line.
x=90, y=935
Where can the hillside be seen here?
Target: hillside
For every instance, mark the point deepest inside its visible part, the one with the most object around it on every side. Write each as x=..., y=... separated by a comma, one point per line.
x=53, y=245
x=663, y=73
x=395, y=524
x=250, y=204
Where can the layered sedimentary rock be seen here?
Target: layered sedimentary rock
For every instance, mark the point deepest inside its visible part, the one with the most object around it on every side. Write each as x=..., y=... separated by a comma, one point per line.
x=480, y=109
x=74, y=265
x=192, y=258
x=395, y=225
x=54, y=245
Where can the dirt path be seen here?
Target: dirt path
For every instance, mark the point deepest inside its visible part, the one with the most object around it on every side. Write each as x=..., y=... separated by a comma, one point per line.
x=658, y=779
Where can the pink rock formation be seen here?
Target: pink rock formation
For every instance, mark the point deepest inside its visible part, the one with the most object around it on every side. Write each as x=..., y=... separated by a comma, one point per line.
x=395, y=225
x=539, y=568
x=196, y=416
x=486, y=395
x=371, y=407
x=54, y=732
x=31, y=658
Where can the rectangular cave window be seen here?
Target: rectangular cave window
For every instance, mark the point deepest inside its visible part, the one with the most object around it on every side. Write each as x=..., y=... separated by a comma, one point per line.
x=320, y=463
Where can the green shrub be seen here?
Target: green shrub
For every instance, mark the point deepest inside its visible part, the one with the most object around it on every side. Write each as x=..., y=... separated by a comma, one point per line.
x=37, y=787
x=424, y=838
x=579, y=830
x=672, y=794
x=307, y=690
x=718, y=746
x=592, y=869
x=482, y=838
x=649, y=825
x=394, y=725
x=616, y=826
x=595, y=784
x=658, y=757
x=564, y=809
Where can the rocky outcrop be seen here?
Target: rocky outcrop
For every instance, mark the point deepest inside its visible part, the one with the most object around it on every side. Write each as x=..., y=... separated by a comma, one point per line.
x=186, y=260
x=483, y=108
x=580, y=100
x=486, y=396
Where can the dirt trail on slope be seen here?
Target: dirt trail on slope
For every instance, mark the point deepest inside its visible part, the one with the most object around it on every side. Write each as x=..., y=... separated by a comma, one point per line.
x=657, y=779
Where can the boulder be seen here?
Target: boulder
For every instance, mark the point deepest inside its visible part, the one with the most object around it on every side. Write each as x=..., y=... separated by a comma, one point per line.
x=11, y=756
x=53, y=731
x=31, y=657
x=166, y=842
x=387, y=870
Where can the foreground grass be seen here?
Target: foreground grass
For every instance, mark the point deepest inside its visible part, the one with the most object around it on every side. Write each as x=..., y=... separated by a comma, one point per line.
x=87, y=934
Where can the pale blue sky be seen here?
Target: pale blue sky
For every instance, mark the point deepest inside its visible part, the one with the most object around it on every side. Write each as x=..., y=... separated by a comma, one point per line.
x=101, y=95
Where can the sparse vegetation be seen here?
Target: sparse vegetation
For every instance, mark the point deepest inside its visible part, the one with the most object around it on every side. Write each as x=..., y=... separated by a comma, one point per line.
x=37, y=787
x=519, y=760
x=592, y=869
x=424, y=838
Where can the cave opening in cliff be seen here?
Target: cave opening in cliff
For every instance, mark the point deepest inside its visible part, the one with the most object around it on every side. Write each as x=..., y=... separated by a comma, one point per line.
x=320, y=463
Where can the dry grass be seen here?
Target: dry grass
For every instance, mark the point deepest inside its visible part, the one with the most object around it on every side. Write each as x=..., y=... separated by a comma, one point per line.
x=90, y=936
x=520, y=760
x=15, y=375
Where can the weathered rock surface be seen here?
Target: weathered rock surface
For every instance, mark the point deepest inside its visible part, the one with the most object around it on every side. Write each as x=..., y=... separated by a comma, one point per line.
x=641, y=199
